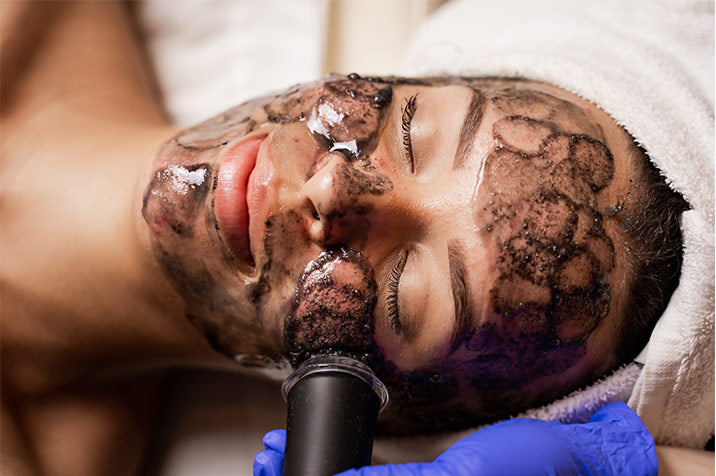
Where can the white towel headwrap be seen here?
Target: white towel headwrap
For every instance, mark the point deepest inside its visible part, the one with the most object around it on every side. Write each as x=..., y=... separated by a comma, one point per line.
x=650, y=65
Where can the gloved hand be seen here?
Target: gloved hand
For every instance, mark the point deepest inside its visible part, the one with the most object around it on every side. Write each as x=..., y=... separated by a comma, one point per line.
x=614, y=441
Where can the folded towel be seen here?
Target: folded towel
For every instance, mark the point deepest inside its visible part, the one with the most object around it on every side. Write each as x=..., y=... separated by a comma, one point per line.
x=650, y=65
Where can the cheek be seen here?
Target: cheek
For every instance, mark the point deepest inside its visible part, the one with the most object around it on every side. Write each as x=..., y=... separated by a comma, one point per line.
x=292, y=154
x=174, y=200
x=352, y=110
x=348, y=113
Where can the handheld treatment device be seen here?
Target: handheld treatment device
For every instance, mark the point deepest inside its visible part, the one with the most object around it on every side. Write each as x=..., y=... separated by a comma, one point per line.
x=333, y=404
x=333, y=397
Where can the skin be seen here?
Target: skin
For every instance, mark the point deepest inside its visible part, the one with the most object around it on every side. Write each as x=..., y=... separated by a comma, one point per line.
x=89, y=326
x=92, y=322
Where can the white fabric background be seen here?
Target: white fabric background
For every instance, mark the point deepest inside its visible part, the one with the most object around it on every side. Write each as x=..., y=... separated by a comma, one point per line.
x=209, y=55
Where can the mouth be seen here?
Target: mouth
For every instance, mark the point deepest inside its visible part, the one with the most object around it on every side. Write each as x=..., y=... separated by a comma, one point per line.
x=235, y=196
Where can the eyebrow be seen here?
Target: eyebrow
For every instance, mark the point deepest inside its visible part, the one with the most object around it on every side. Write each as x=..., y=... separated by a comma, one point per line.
x=469, y=126
x=463, y=314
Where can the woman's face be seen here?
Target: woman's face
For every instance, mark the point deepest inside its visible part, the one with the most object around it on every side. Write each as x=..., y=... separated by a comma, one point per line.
x=451, y=231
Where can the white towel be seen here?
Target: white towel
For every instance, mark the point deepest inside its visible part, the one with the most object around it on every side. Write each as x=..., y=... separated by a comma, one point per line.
x=650, y=65
x=212, y=54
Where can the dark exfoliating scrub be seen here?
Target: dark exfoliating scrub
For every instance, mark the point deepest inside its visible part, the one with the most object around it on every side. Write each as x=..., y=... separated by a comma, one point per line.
x=332, y=310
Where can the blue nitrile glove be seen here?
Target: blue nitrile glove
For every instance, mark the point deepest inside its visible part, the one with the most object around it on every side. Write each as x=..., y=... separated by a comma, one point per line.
x=269, y=461
x=614, y=441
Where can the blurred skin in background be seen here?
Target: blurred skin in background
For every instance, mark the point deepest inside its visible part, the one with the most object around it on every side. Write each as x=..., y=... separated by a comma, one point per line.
x=484, y=214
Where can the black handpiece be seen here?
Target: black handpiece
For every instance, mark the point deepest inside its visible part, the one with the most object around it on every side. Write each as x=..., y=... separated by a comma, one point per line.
x=333, y=406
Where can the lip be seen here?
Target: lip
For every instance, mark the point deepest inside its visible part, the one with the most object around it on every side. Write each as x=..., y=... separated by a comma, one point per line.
x=258, y=199
x=231, y=200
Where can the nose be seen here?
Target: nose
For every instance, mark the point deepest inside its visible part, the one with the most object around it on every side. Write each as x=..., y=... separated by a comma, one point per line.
x=343, y=196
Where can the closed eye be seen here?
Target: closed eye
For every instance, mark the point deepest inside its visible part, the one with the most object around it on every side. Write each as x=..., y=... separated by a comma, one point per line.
x=407, y=120
x=392, y=299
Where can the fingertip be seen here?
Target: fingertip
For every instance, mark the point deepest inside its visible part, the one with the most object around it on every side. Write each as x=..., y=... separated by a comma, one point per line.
x=624, y=439
x=620, y=415
x=267, y=463
x=275, y=440
x=613, y=410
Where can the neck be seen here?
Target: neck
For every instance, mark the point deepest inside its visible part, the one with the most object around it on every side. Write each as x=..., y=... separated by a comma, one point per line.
x=80, y=126
x=81, y=267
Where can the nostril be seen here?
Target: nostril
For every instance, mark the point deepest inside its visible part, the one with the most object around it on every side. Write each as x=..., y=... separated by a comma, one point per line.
x=315, y=226
x=321, y=202
x=348, y=151
x=311, y=210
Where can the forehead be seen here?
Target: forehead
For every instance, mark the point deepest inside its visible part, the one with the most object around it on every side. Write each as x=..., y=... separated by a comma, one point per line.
x=540, y=211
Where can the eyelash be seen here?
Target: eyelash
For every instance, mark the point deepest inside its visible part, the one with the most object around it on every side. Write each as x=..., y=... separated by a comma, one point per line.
x=392, y=299
x=407, y=119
